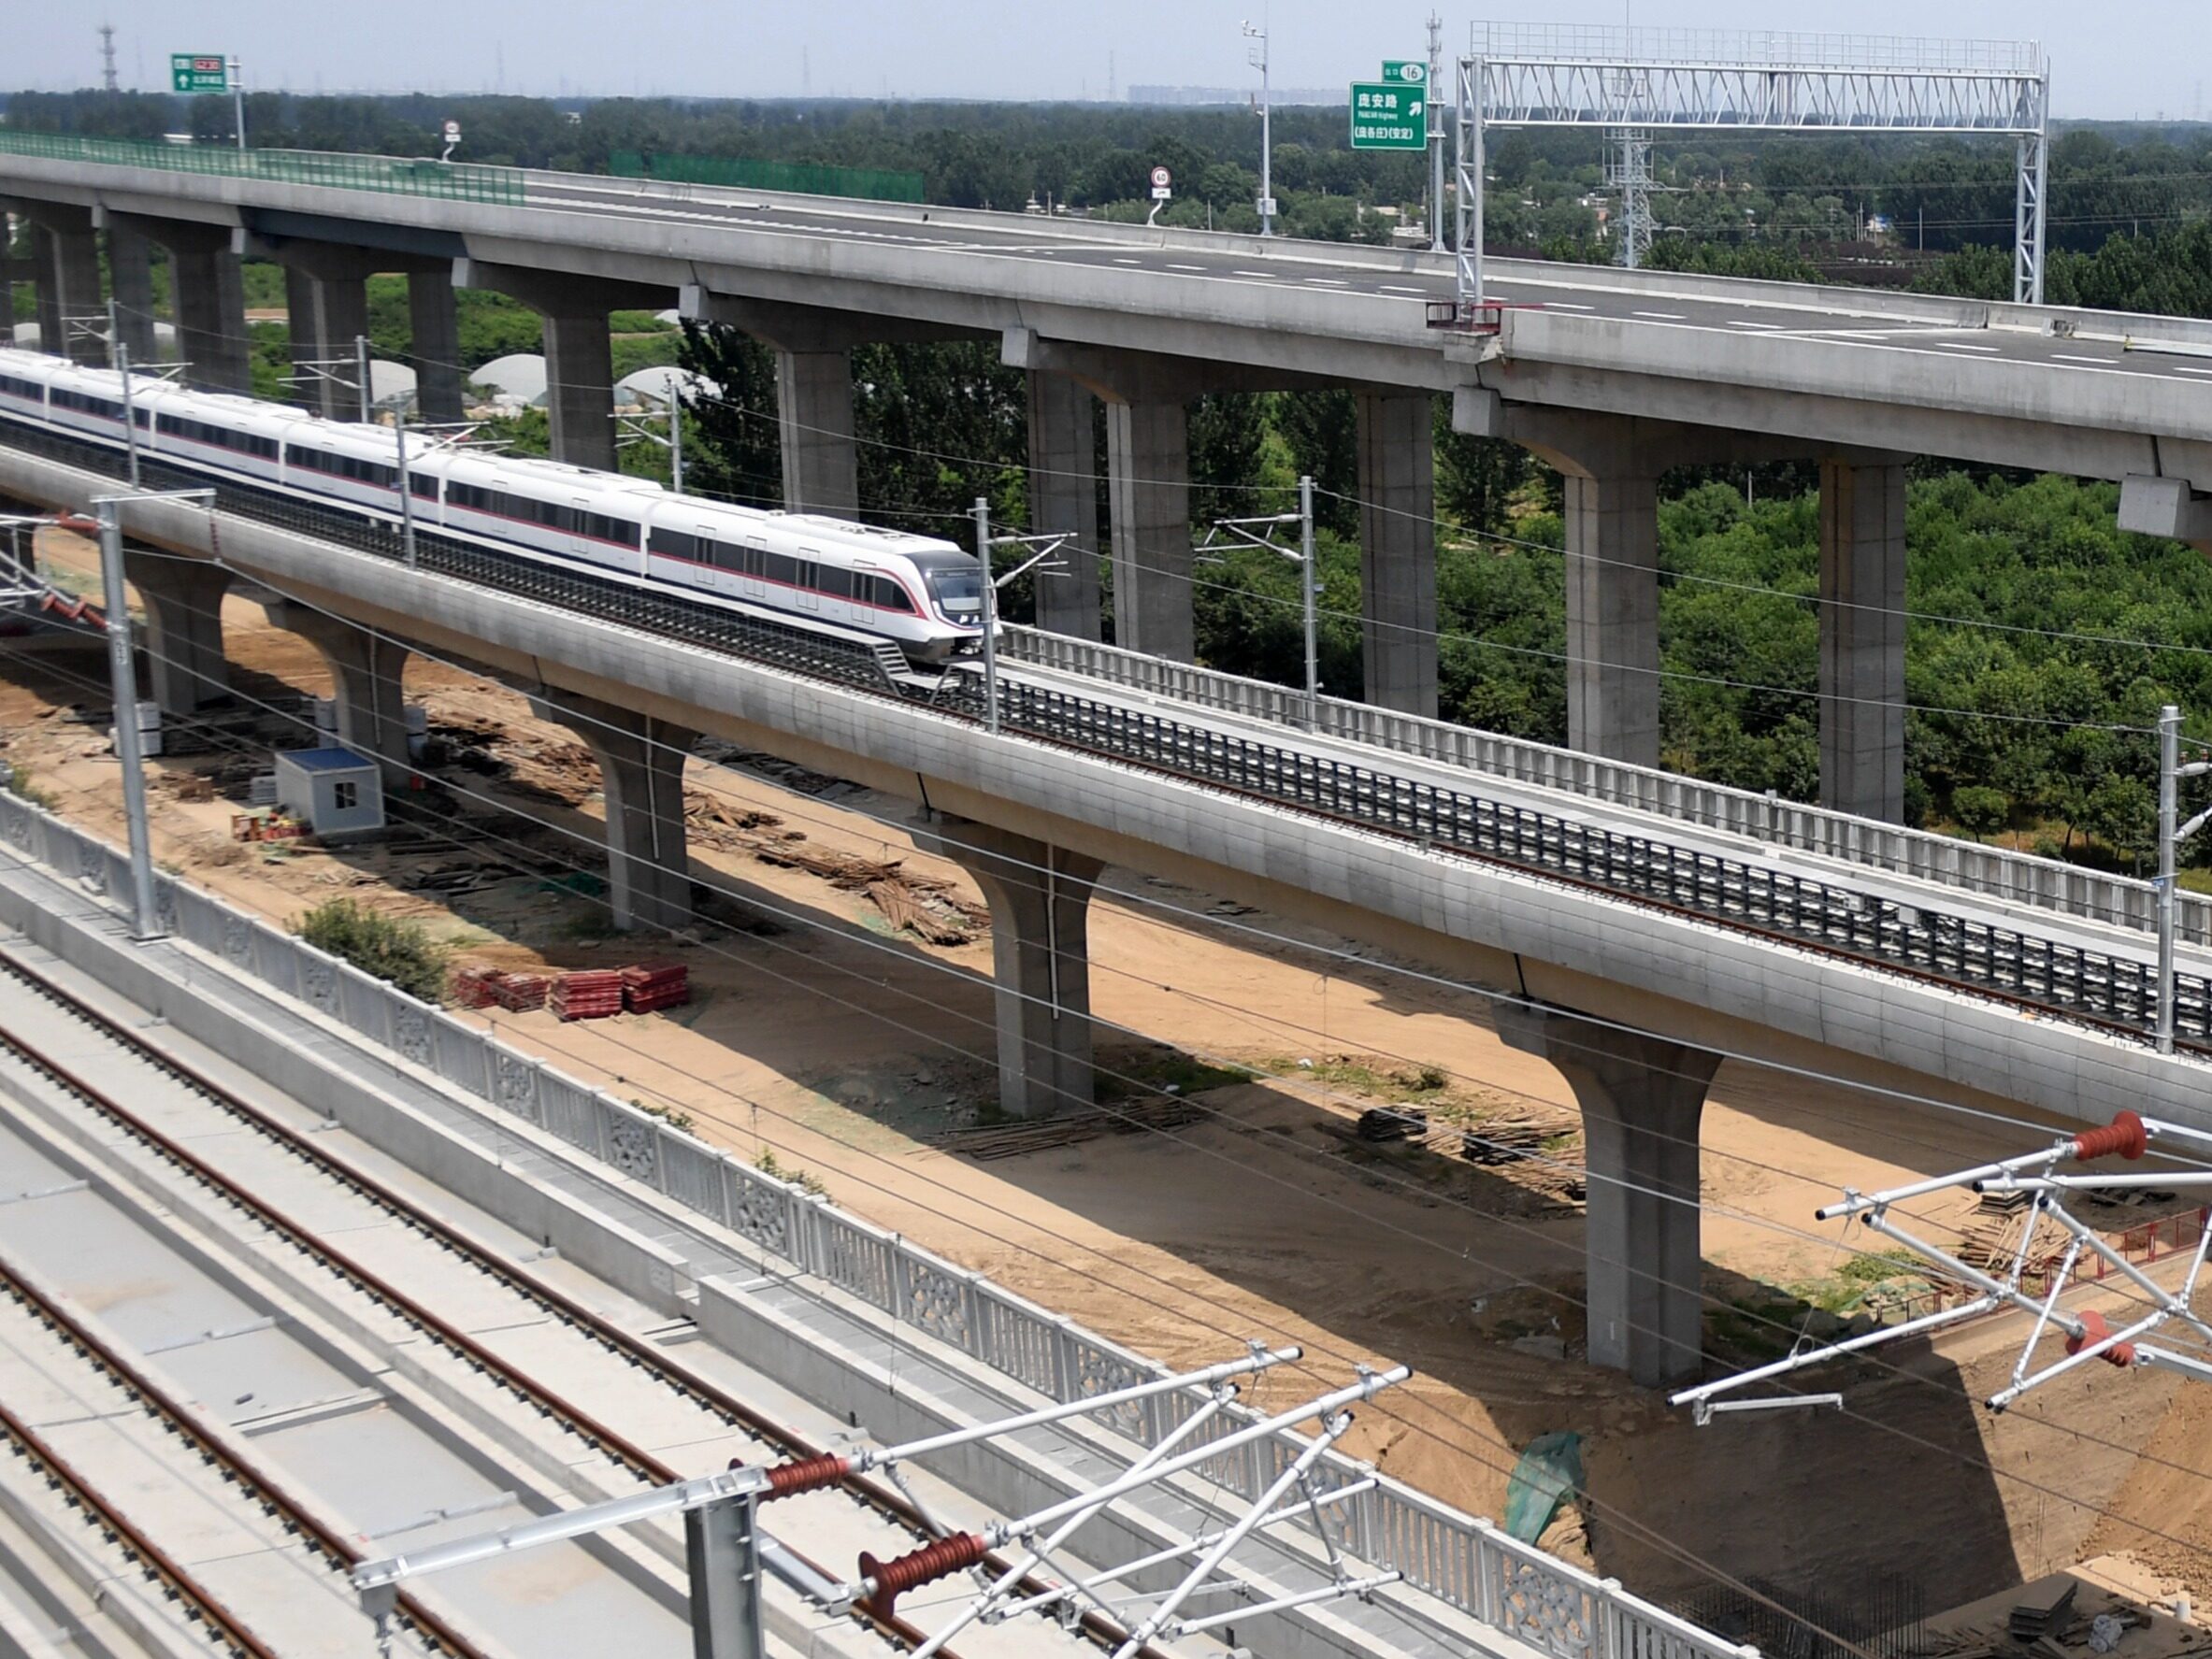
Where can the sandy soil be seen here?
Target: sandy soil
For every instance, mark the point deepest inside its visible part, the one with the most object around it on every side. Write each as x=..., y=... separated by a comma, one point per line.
x=821, y=1038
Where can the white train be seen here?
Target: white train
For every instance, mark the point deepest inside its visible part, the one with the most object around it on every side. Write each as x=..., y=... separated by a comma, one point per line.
x=923, y=595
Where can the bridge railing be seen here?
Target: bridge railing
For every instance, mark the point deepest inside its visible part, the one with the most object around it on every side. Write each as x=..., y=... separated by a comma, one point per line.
x=1466, y=1563
x=391, y=175
x=2017, y=877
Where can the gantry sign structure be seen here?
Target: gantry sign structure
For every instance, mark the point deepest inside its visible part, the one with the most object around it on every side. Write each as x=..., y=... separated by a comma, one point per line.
x=1631, y=83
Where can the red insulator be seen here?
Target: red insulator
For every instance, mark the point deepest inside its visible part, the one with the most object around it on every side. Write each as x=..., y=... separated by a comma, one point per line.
x=809, y=1474
x=2125, y=1134
x=2095, y=1330
x=893, y=1579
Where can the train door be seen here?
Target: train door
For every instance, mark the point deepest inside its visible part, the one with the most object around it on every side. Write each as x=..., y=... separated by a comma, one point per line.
x=756, y=567
x=706, y=551
x=809, y=580
x=864, y=595
x=579, y=511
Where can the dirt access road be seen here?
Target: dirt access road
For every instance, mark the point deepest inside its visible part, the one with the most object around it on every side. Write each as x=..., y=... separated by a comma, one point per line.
x=828, y=1041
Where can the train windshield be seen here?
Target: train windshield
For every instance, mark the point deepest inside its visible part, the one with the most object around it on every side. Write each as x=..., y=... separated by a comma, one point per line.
x=959, y=593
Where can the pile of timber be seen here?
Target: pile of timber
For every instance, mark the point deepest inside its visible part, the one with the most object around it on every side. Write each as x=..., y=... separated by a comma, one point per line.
x=985, y=1142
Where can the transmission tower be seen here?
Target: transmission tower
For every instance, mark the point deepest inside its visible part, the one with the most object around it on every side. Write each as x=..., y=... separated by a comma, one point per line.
x=108, y=58
x=1627, y=170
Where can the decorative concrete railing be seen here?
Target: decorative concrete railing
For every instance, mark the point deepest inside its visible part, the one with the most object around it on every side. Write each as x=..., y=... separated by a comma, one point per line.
x=2041, y=882
x=1464, y=1562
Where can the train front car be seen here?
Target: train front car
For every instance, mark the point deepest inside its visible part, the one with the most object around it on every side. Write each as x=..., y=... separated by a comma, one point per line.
x=953, y=582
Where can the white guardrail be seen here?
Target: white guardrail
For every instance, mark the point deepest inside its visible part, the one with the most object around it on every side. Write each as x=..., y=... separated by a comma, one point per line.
x=1467, y=1563
x=2041, y=882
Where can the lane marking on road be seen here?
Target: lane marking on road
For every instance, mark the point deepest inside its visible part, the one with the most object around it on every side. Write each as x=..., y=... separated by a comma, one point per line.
x=1232, y=273
x=2186, y=371
x=1118, y=262
x=1173, y=268
x=1549, y=305
x=1326, y=282
x=1655, y=316
x=1746, y=323
x=1387, y=287
x=1947, y=345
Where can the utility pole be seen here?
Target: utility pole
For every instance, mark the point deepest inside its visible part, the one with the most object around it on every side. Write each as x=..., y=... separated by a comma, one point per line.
x=2170, y=773
x=360, y=371
x=1046, y=546
x=1258, y=56
x=1259, y=532
x=122, y=354
x=122, y=681
x=406, y=484
x=1436, y=133
x=238, y=98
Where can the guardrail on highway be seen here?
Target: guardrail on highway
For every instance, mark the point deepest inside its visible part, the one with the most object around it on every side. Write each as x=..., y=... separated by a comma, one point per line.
x=2041, y=882
x=389, y=174
x=1467, y=1563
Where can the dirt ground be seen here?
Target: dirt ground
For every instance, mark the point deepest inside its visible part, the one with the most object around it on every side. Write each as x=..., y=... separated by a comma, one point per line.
x=844, y=1046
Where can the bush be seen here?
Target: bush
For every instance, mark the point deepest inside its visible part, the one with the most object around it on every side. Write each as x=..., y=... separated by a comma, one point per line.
x=400, y=952
x=17, y=783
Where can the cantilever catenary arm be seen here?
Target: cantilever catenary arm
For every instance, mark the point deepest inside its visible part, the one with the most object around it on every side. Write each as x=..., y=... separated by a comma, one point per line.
x=2086, y=1334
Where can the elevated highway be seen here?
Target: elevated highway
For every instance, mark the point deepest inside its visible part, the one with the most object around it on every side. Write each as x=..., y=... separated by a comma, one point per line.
x=1634, y=950
x=1612, y=377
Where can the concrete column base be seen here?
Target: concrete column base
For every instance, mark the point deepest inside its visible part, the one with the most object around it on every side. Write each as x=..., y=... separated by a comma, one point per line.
x=183, y=600
x=368, y=672
x=1064, y=501
x=1397, y=551
x=1040, y=897
x=814, y=423
x=435, y=339
x=1641, y=1097
x=579, y=389
x=641, y=779
x=1148, y=494
x=1862, y=556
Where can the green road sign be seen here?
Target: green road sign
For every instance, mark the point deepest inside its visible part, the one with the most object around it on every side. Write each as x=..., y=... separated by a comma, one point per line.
x=1389, y=117
x=199, y=72
x=1409, y=71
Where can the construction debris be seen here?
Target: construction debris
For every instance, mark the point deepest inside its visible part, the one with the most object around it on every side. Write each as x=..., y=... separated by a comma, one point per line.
x=647, y=987
x=1382, y=1123
x=2032, y=1620
x=985, y=1142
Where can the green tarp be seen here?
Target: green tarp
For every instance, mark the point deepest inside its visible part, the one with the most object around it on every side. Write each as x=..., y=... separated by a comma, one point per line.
x=1550, y=1471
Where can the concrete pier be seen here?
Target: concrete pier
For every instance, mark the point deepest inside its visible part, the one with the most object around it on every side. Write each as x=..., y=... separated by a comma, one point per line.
x=642, y=781
x=1064, y=500
x=130, y=278
x=1040, y=897
x=1148, y=503
x=578, y=354
x=435, y=342
x=328, y=315
x=210, y=296
x=72, y=312
x=1397, y=551
x=368, y=672
x=183, y=602
x=815, y=422
x=1641, y=1097
x=1863, y=565
x=1613, y=644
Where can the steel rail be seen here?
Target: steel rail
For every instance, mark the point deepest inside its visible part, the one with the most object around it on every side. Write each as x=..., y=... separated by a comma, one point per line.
x=178, y=1417
x=1920, y=942
x=158, y=1563
x=879, y=1495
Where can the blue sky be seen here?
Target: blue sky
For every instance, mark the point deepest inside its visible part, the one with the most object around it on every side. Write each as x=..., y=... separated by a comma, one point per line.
x=2119, y=58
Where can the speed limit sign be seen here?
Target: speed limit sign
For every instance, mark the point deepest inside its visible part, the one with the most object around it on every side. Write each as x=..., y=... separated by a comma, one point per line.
x=1161, y=179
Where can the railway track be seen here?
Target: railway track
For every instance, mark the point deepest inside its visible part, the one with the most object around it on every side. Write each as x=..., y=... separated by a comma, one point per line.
x=2102, y=989
x=902, y=1524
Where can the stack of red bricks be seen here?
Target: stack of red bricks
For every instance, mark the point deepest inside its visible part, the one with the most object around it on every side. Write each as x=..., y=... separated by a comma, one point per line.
x=648, y=987
x=588, y=993
x=475, y=985
x=519, y=992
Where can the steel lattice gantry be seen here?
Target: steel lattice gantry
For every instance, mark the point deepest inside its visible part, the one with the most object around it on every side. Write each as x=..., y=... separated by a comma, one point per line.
x=1529, y=78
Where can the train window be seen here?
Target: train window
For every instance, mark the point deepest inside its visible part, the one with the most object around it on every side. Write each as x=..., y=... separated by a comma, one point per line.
x=809, y=574
x=422, y=484
x=616, y=530
x=836, y=583
x=780, y=567
x=727, y=557
x=891, y=597
x=673, y=544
